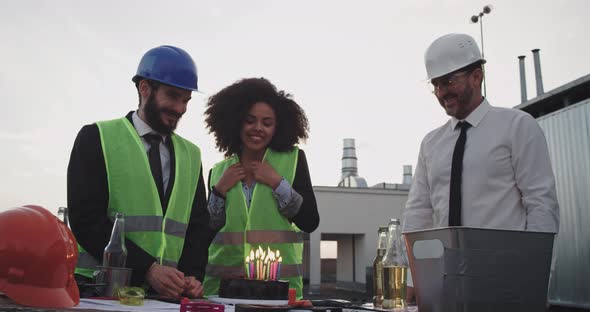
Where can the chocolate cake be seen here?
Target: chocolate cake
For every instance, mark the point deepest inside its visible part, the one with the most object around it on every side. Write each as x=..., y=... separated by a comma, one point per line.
x=238, y=288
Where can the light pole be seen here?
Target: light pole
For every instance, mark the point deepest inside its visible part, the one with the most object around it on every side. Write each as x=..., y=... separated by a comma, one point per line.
x=474, y=19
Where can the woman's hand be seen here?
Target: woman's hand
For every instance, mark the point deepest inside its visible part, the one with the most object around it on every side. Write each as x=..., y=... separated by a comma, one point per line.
x=264, y=173
x=230, y=177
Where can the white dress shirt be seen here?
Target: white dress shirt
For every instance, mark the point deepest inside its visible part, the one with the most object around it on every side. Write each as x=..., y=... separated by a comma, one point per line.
x=143, y=129
x=507, y=180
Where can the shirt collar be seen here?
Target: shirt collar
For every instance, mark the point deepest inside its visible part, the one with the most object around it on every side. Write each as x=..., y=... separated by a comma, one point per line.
x=475, y=117
x=142, y=127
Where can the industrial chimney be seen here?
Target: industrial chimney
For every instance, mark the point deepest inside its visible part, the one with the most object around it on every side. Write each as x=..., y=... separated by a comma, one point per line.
x=523, y=96
x=538, y=77
x=350, y=176
x=407, y=174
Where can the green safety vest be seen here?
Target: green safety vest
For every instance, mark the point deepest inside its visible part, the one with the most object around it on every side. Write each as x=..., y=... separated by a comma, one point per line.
x=260, y=225
x=133, y=191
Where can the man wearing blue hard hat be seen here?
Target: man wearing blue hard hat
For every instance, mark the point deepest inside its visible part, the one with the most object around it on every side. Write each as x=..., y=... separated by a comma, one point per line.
x=138, y=166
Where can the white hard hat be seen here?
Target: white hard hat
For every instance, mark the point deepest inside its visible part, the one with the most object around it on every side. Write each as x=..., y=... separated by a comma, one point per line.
x=449, y=53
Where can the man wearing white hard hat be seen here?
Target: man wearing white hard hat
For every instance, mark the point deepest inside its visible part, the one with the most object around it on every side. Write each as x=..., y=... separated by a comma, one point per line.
x=486, y=167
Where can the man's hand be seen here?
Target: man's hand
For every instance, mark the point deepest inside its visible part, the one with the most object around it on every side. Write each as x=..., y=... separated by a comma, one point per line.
x=192, y=287
x=264, y=173
x=230, y=177
x=167, y=281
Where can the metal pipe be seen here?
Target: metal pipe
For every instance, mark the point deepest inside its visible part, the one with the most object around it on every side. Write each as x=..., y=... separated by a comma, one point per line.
x=538, y=76
x=349, y=166
x=523, y=95
x=485, y=93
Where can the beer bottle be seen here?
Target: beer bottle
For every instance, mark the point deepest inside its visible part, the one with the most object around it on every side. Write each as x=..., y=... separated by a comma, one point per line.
x=115, y=253
x=378, y=267
x=62, y=214
x=395, y=269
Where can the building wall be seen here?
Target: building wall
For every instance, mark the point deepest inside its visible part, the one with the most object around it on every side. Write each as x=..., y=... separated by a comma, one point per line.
x=344, y=260
x=347, y=211
x=568, y=138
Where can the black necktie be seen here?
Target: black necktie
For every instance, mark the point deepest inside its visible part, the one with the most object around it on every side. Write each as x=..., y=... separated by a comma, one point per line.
x=155, y=162
x=456, y=170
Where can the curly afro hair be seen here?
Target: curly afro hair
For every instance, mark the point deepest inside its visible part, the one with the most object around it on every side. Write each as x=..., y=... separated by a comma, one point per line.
x=227, y=111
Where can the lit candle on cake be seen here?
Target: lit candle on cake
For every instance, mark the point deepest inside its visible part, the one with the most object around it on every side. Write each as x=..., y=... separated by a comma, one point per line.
x=262, y=256
x=251, y=265
x=276, y=270
x=257, y=264
x=266, y=268
x=279, y=268
x=263, y=264
x=271, y=264
x=247, y=265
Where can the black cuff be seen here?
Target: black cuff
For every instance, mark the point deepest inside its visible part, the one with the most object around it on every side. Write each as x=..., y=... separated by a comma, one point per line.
x=216, y=192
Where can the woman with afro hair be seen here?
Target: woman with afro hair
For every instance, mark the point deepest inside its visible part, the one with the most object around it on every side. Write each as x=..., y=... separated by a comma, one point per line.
x=261, y=196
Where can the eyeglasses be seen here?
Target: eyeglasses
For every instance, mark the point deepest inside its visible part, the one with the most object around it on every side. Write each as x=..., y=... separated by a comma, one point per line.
x=445, y=82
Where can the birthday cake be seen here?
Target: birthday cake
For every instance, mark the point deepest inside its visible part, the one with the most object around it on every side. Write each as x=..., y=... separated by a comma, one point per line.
x=239, y=288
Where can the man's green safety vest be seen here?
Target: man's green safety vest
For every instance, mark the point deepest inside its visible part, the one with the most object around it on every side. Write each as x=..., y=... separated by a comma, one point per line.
x=133, y=192
x=259, y=226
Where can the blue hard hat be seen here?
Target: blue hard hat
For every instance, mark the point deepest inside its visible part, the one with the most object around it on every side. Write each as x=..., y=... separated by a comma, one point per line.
x=169, y=65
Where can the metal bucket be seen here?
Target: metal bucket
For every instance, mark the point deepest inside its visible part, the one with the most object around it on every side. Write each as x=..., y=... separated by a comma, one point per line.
x=469, y=269
x=114, y=278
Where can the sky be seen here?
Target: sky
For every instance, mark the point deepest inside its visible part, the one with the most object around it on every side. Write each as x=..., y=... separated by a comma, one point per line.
x=356, y=68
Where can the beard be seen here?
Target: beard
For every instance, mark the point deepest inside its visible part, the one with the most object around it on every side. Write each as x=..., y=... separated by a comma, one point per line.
x=153, y=115
x=463, y=102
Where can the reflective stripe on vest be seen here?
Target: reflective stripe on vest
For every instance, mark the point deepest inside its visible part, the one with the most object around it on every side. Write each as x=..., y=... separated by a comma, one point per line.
x=154, y=223
x=258, y=237
x=133, y=192
x=260, y=225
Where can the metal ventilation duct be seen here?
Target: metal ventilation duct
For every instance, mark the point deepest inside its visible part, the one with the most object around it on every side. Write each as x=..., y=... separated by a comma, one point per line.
x=539, y=78
x=350, y=176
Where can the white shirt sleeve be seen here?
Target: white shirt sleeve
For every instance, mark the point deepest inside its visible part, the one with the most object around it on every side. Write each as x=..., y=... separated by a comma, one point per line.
x=534, y=176
x=418, y=210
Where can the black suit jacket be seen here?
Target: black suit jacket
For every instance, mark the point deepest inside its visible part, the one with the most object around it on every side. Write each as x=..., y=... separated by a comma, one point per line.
x=88, y=198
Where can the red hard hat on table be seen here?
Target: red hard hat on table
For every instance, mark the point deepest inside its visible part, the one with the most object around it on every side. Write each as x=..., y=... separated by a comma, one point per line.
x=38, y=255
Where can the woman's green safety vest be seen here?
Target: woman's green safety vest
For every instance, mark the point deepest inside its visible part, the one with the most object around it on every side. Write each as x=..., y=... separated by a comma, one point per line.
x=261, y=225
x=133, y=192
